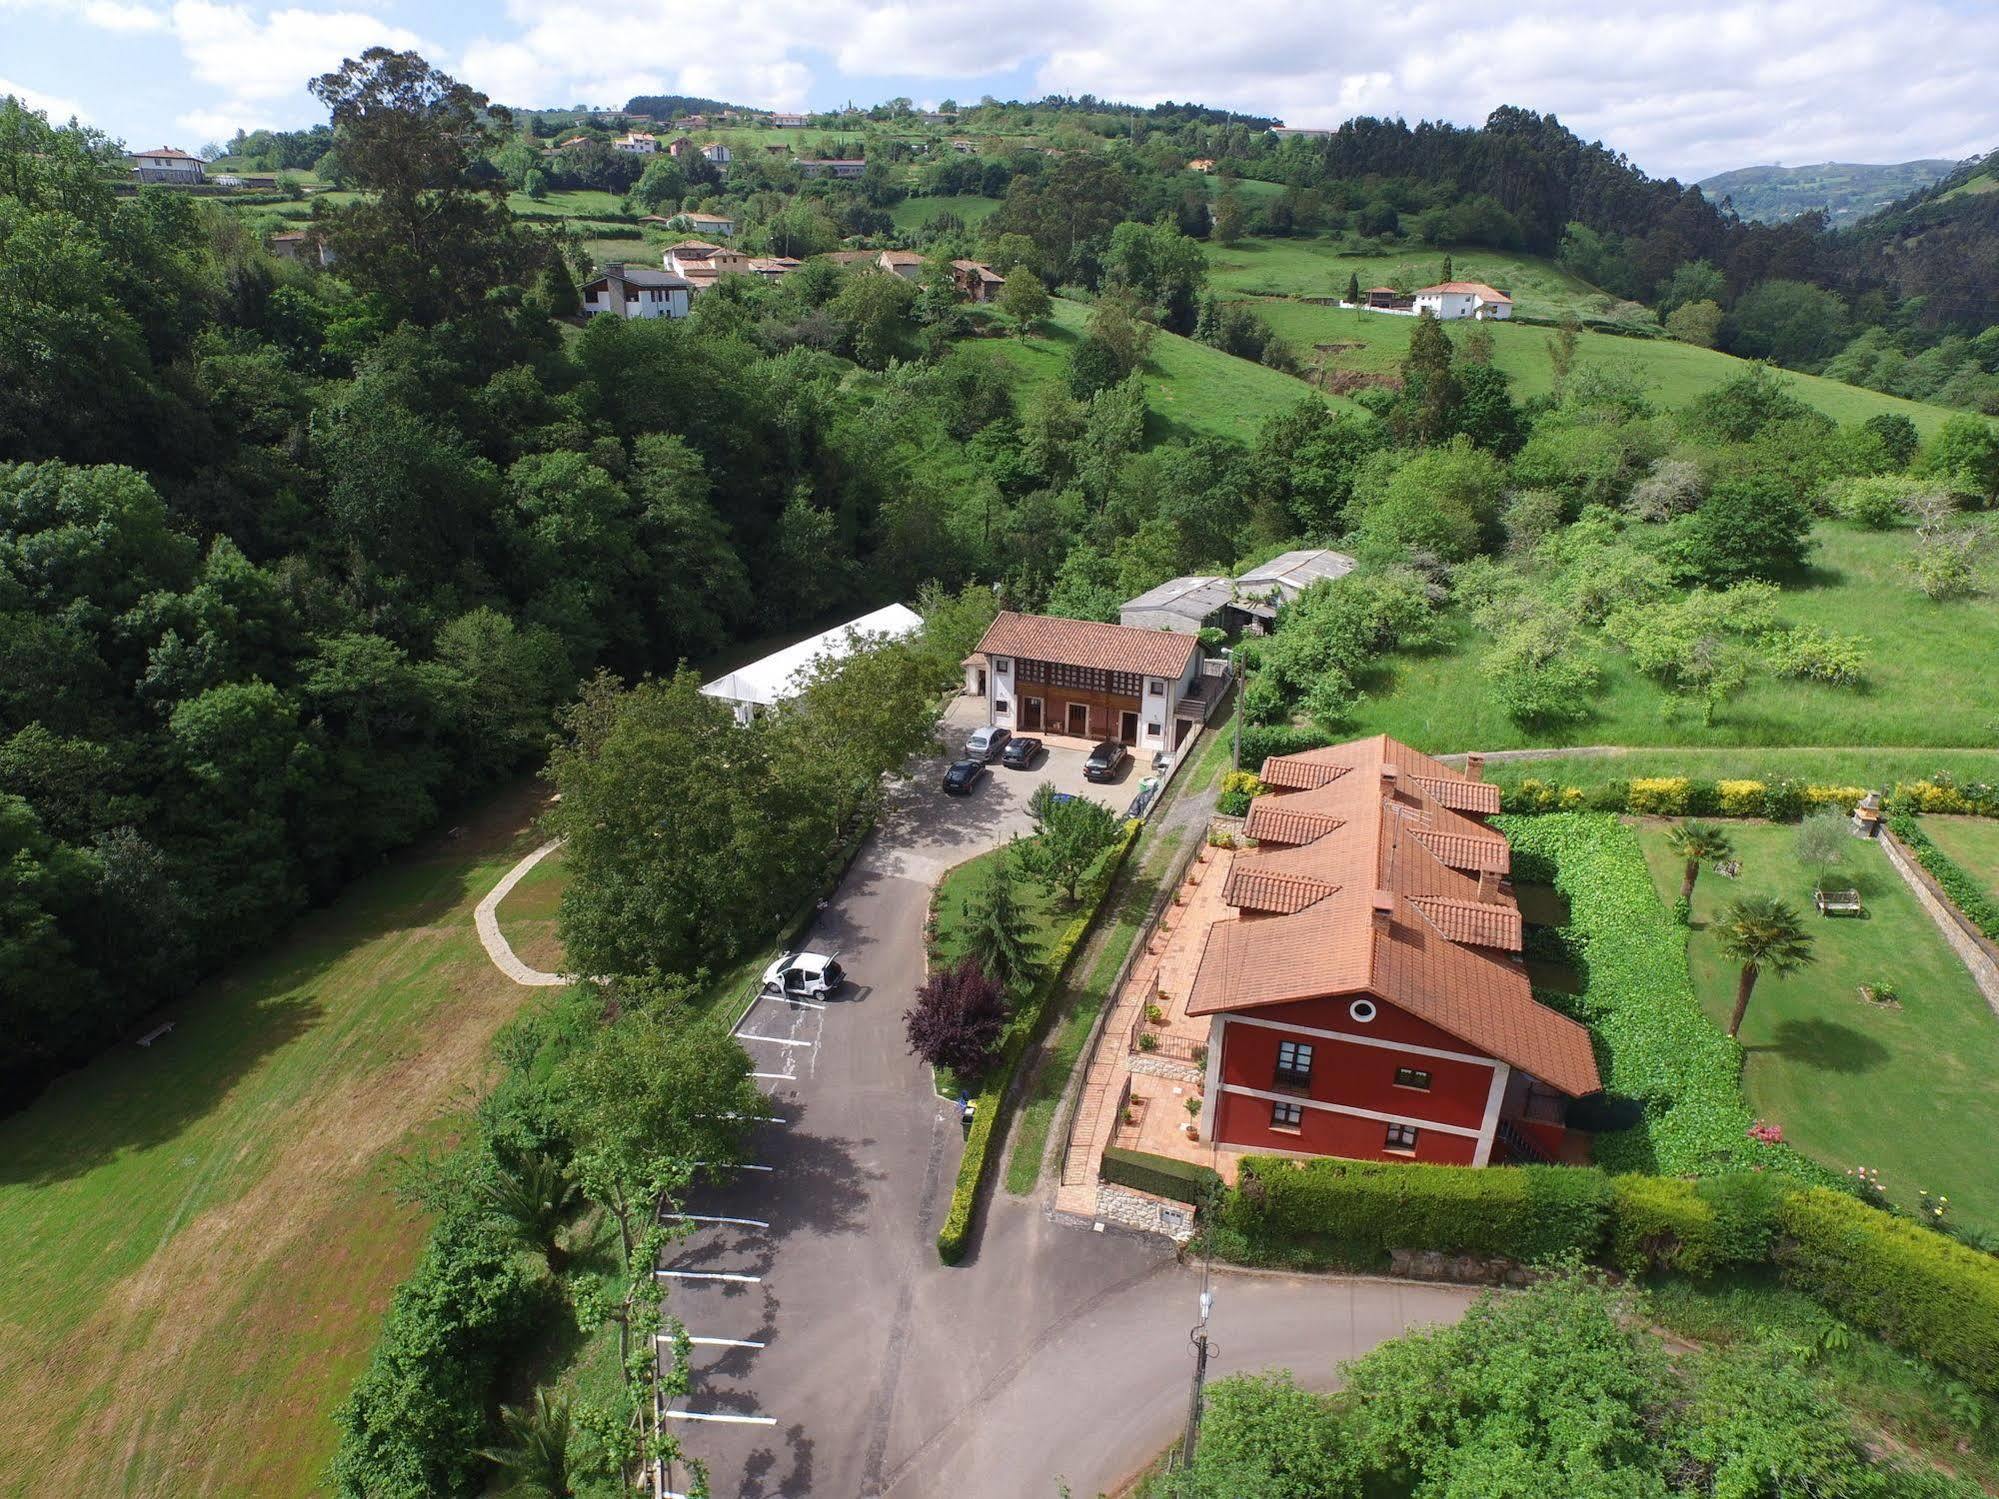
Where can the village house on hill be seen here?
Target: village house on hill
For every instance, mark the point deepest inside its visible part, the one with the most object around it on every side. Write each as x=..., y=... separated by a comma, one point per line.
x=167, y=164
x=1463, y=299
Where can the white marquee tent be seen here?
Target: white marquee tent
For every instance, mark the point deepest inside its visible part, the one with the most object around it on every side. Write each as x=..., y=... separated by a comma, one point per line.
x=777, y=676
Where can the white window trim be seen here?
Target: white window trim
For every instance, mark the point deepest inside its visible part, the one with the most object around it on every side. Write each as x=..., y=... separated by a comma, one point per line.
x=1413, y=1121
x=1352, y=1040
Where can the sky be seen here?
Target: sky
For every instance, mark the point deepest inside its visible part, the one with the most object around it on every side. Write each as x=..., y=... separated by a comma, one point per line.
x=1684, y=88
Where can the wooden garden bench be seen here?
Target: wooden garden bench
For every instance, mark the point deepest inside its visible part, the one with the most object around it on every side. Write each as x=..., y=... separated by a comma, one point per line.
x=1838, y=902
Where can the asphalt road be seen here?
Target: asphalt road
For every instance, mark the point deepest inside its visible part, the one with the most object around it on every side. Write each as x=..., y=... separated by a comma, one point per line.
x=838, y=1357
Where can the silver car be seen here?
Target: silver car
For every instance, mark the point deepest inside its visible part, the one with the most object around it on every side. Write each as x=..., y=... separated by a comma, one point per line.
x=986, y=744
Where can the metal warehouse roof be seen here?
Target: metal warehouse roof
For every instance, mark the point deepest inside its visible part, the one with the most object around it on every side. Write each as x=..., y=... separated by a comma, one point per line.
x=776, y=677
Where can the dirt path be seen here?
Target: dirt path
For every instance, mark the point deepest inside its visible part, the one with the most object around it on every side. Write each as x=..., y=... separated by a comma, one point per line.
x=487, y=919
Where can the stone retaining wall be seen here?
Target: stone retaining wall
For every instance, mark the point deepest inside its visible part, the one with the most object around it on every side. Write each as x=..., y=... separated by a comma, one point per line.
x=1166, y=1067
x=1970, y=949
x=1142, y=1211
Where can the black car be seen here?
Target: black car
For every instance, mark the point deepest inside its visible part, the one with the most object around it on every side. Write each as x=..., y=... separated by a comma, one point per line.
x=1019, y=754
x=1105, y=761
x=963, y=776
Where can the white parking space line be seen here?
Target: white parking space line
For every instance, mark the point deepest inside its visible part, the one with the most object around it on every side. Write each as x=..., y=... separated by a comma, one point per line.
x=774, y=1040
x=722, y=1416
x=701, y=1218
x=714, y=1342
x=741, y=1280
x=777, y=1077
x=786, y=999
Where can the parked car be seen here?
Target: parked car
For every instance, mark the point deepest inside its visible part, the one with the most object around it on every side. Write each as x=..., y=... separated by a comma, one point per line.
x=1020, y=753
x=1105, y=761
x=804, y=975
x=986, y=744
x=963, y=776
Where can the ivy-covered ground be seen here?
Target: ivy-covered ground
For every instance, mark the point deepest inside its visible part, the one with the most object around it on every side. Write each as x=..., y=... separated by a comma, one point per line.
x=1912, y=1093
x=1973, y=842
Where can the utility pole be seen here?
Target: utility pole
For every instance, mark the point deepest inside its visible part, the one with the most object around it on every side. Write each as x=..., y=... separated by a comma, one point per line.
x=1199, y=1338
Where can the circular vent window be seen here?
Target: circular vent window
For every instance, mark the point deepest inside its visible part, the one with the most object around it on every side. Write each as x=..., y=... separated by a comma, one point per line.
x=1362, y=1010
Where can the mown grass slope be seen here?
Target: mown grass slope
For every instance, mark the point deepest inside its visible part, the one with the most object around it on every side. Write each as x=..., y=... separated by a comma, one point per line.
x=199, y=1236
x=1188, y=385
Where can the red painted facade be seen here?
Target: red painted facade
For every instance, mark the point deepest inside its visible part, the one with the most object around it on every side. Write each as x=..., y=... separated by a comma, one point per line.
x=1353, y=1077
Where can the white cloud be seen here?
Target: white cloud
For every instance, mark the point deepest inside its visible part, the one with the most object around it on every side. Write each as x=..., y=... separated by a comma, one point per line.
x=58, y=109
x=113, y=15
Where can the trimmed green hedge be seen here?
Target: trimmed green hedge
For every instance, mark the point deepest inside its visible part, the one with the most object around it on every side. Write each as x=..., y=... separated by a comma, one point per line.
x=1680, y=796
x=955, y=1236
x=1261, y=741
x=1355, y=1212
x=1922, y=1291
x=1161, y=1175
x=1654, y=1043
x=1966, y=893
x=1695, y=1227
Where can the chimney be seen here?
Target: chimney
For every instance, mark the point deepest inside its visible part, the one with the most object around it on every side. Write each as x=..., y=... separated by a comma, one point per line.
x=1384, y=911
x=1488, y=887
x=1475, y=766
x=1389, y=776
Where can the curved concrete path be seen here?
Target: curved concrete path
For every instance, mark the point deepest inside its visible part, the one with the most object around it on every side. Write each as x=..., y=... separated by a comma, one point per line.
x=486, y=918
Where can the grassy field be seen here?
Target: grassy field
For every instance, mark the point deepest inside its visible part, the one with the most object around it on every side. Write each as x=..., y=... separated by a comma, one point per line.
x=1671, y=373
x=1973, y=842
x=1851, y=1083
x=199, y=1236
x=527, y=915
x=1923, y=687
x=1320, y=266
x=1188, y=385
x=1825, y=767
x=914, y=213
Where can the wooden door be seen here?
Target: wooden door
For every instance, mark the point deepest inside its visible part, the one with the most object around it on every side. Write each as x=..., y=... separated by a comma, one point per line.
x=1127, y=728
x=1079, y=720
x=1030, y=715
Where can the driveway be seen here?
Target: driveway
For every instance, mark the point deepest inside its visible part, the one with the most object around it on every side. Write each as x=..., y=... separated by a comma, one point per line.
x=836, y=1356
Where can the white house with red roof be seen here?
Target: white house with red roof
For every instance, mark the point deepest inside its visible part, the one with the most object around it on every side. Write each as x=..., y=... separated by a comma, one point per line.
x=166, y=164
x=1464, y=299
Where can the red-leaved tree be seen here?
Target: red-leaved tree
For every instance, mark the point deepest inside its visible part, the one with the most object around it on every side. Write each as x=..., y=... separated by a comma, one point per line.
x=957, y=1019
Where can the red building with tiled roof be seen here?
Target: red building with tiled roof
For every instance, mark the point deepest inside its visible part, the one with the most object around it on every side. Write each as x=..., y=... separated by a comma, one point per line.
x=1367, y=993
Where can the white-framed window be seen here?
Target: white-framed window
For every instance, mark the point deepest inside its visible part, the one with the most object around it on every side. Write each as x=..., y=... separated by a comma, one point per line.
x=1289, y=1117
x=1156, y=687
x=1401, y=1138
x=1294, y=1064
x=1000, y=664
x=1363, y=1010
x=1412, y=1077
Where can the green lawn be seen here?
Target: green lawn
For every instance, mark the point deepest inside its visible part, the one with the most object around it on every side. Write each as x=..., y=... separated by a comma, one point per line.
x=1912, y=1093
x=1972, y=841
x=1670, y=372
x=1044, y=910
x=1923, y=685
x=199, y=1236
x=1188, y=385
x=1320, y=265
x=914, y=213
x=527, y=916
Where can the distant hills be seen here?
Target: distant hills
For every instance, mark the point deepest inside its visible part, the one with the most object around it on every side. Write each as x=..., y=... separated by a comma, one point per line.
x=1848, y=191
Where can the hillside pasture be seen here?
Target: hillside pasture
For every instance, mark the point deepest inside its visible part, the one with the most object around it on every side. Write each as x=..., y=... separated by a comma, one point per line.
x=912, y=214
x=199, y=1235
x=1926, y=684
x=1672, y=374
x=1320, y=266
x=1188, y=385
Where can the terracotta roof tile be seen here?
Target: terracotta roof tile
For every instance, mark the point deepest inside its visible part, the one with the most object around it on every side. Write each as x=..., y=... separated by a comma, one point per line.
x=1476, y=923
x=1461, y=795
x=1438, y=950
x=1083, y=642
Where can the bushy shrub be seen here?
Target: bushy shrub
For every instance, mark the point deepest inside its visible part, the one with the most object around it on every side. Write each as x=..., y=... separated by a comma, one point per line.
x=1814, y=654
x=1660, y=796
x=1738, y=798
x=1876, y=501
x=1694, y=1227
x=1919, y=1289
x=1942, y=793
x=1355, y=1212
x=1161, y=1175
x=1261, y=741
x=1540, y=671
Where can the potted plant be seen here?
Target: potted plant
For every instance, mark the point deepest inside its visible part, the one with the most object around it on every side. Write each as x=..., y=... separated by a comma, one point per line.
x=1147, y=1041
x=1154, y=1015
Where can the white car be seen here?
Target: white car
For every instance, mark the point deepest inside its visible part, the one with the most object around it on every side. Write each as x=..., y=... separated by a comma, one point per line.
x=804, y=975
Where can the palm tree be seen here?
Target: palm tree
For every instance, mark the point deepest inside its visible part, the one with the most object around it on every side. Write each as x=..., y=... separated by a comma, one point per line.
x=1759, y=932
x=535, y=1459
x=1698, y=843
x=534, y=1192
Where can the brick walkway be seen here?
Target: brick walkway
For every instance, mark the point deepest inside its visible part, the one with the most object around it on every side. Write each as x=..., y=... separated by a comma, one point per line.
x=1165, y=1077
